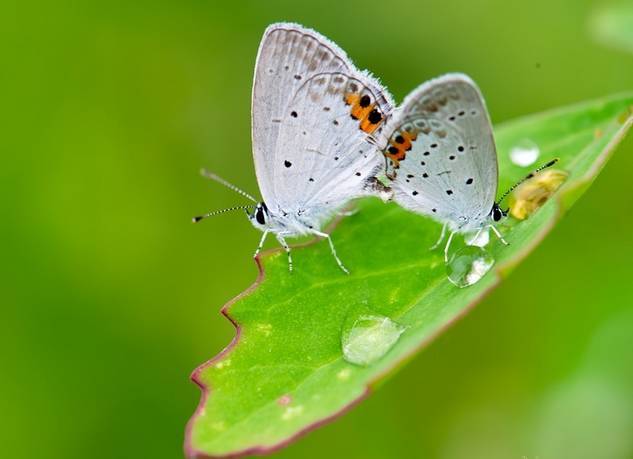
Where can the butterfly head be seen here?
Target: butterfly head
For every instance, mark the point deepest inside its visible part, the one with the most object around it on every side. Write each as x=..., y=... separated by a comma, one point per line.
x=496, y=213
x=260, y=216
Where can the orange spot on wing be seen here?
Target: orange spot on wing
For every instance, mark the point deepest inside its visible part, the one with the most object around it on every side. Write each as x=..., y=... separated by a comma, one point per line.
x=363, y=114
x=401, y=143
x=365, y=124
x=352, y=99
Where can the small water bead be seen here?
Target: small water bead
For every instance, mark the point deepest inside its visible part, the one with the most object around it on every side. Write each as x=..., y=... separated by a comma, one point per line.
x=468, y=265
x=368, y=338
x=479, y=238
x=524, y=153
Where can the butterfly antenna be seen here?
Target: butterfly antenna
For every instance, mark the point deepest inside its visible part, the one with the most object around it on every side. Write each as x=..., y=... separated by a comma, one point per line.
x=211, y=176
x=527, y=177
x=217, y=212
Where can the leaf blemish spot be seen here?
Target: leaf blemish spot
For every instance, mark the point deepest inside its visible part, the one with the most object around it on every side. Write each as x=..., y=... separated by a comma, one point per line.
x=344, y=374
x=292, y=412
x=284, y=400
x=223, y=364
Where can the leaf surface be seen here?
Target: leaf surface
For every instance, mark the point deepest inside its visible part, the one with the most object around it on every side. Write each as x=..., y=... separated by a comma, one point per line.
x=284, y=373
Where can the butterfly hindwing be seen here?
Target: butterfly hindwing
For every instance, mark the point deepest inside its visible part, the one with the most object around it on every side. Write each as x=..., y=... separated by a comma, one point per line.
x=313, y=114
x=442, y=154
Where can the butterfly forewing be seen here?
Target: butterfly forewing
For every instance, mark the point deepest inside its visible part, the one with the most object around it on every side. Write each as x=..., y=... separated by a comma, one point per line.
x=313, y=114
x=441, y=152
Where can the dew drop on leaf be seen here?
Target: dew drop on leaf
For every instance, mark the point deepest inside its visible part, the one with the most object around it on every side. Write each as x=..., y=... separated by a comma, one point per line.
x=479, y=238
x=468, y=265
x=367, y=338
x=524, y=153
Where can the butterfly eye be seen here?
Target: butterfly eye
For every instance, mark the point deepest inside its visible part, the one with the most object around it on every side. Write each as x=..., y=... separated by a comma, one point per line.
x=260, y=215
x=496, y=214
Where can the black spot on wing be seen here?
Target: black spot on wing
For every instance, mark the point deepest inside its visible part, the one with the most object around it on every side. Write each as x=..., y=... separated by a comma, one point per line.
x=374, y=116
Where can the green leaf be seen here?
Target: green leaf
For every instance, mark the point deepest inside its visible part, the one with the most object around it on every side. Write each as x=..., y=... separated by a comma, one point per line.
x=284, y=373
x=613, y=26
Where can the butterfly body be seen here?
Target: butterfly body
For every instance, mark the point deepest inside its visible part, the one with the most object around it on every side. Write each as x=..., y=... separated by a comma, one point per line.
x=319, y=126
x=292, y=223
x=441, y=155
x=314, y=116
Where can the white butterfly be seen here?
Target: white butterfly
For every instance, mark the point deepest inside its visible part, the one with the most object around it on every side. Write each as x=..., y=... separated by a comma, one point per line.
x=442, y=158
x=314, y=115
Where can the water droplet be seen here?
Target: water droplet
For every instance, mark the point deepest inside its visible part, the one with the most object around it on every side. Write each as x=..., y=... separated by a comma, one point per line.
x=524, y=153
x=480, y=238
x=532, y=194
x=369, y=338
x=468, y=265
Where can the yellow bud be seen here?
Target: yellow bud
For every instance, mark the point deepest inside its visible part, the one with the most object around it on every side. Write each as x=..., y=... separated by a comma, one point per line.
x=533, y=193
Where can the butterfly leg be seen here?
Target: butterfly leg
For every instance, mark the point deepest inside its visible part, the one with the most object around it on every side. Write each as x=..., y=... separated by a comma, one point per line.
x=448, y=244
x=498, y=234
x=442, y=236
x=475, y=239
x=283, y=243
x=329, y=239
x=261, y=244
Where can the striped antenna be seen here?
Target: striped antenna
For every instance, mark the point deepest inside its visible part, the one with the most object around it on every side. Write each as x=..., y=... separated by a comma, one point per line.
x=217, y=212
x=211, y=176
x=527, y=177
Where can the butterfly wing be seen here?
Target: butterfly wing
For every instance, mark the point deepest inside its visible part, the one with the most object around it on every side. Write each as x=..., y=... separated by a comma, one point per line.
x=441, y=148
x=313, y=116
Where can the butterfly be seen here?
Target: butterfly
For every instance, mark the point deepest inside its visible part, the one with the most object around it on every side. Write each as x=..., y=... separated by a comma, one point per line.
x=314, y=118
x=441, y=157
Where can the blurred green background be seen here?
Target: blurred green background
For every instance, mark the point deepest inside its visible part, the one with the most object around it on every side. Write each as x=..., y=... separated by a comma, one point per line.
x=111, y=297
